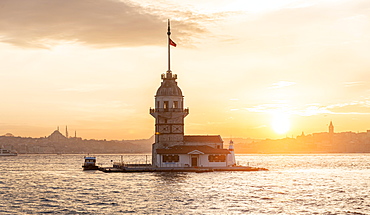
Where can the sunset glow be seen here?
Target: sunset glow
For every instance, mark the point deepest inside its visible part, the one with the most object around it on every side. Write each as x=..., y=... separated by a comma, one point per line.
x=280, y=123
x=96, y=67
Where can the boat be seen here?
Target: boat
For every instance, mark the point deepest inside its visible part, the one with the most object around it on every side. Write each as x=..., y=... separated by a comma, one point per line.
x=90, y=163
x=6, y=152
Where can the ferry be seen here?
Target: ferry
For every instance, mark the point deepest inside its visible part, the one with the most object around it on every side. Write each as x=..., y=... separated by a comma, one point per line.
x=90, y=163
x=6, y=152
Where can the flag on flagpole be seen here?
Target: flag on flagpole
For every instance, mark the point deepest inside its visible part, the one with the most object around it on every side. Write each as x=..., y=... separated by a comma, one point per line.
x=172, y=43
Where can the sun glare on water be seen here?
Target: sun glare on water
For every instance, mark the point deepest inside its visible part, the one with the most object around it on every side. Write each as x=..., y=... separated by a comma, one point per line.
x=280, y=123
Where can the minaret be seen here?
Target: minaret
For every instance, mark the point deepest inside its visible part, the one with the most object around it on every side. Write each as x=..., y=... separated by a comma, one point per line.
x=66, y=131
x=169, y=112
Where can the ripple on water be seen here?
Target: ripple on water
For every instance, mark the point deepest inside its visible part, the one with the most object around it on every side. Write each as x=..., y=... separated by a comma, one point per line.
x=295, y=184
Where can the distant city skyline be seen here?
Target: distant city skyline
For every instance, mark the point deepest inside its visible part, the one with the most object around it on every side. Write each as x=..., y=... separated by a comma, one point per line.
x=327, y=141
x=265, y=69
x=329, y=129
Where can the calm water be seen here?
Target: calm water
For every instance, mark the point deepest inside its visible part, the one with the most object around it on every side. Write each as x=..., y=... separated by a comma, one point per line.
x=295, y=184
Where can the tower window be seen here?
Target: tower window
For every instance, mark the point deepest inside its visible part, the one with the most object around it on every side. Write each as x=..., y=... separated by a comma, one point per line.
x=175, y=104
x=165, y=105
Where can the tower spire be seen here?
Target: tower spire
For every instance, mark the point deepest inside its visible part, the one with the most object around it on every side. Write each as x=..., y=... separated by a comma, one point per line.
x=331, y=128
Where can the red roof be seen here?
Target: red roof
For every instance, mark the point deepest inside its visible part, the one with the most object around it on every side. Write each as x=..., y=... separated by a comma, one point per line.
x=203, y=139
x=184, y=149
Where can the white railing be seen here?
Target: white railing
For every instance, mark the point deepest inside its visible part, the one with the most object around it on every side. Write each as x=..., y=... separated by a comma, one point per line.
x=172, y=164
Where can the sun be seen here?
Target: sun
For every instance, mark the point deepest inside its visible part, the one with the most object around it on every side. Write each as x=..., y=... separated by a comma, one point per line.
x=280, y=123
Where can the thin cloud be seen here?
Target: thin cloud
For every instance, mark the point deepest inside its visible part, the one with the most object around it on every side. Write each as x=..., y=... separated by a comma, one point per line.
x=269, y=108
x=313, y=110
x=353, y=83
x=99, y=23
x=355, y=107
x=85, y=88
x=281, y=84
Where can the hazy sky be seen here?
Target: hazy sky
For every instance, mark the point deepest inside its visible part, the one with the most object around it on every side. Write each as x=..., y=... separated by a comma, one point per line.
x=247, y=68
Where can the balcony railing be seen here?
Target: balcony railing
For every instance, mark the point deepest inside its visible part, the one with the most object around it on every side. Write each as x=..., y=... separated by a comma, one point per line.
x=153, y=110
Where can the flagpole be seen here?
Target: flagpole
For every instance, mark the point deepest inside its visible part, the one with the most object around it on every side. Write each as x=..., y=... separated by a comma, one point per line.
x=169, y=57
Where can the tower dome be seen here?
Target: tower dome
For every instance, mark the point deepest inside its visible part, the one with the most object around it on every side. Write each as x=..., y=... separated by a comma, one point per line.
x=169, y=86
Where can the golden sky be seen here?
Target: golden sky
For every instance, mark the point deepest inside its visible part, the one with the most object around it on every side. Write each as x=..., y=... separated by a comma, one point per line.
x=259, y=69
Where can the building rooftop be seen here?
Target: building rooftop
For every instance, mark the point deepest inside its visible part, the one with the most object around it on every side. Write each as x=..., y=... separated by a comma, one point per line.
x=183, y=149
x=203, y=139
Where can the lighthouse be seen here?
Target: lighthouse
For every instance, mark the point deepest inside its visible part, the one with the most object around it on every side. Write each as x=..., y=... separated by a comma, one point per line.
x=171, y=148
x=231, y=157
x=169, y=111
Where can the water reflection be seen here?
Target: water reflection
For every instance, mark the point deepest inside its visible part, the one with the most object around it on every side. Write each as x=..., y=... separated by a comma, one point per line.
x=171, y=177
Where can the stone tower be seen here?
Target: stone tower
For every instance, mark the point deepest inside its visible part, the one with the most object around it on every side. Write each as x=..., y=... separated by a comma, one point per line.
x=331, y=128
x=169, y=114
